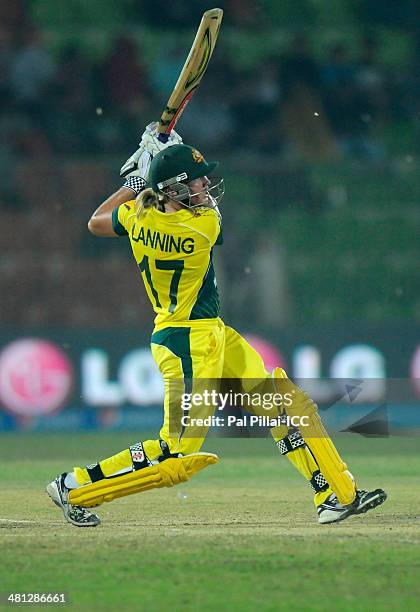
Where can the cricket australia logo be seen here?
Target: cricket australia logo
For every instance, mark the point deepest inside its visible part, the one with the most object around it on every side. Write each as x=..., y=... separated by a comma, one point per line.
x=197, y=156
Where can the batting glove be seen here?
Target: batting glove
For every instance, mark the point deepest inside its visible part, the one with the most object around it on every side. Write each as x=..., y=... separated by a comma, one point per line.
x=136, y=168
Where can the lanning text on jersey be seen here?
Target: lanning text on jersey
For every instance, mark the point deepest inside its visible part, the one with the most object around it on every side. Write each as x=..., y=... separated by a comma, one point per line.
x=165, y=242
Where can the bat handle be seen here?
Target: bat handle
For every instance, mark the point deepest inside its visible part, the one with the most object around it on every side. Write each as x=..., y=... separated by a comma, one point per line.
x=163, y=137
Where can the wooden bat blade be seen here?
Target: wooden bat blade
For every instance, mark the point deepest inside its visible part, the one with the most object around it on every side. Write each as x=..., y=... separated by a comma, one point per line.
x=193, y=70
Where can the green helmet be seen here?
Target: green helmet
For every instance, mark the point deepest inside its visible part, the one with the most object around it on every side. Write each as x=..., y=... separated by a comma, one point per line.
x=179, y=163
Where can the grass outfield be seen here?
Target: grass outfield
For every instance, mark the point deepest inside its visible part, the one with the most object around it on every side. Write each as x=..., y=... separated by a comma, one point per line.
x=241, y=535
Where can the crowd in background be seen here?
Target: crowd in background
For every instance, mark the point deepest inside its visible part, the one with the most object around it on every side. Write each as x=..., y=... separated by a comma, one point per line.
x=289, y=104
x=69, y=105
x=68, y=121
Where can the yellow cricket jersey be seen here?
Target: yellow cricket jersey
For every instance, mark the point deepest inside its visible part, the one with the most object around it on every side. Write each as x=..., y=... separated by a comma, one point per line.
x=174, y=254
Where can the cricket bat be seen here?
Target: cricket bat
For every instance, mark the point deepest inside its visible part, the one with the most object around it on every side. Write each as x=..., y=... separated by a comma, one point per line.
x=192, y=72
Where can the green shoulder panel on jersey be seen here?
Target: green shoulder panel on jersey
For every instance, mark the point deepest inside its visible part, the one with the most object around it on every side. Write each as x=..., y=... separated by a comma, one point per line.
x=116, y=225
x=207, y=304
x=177, y=340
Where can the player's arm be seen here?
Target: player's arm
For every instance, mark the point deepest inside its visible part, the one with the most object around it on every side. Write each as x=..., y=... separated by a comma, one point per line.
x=100, y=223
x=133, y=171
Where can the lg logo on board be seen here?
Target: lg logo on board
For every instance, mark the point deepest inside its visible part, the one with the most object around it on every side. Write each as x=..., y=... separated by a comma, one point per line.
x=35, y=377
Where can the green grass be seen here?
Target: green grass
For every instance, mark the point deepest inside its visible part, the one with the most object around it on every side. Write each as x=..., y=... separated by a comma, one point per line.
x=242, y=535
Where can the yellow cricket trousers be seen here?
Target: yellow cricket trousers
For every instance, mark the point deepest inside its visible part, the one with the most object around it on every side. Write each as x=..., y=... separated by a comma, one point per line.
x=191, y=359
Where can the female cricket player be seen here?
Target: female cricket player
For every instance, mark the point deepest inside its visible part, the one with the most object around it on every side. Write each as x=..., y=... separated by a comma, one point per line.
x=173, y=225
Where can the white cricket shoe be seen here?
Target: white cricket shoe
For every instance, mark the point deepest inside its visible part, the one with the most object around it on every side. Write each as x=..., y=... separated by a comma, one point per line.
x=331, y=511
x=76, y=515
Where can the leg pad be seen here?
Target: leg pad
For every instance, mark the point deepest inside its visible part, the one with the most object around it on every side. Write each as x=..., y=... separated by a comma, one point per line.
x=165, y=474
x=317, y=439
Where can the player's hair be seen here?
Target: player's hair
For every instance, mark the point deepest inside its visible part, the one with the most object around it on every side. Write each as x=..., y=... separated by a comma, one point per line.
x=149, y=199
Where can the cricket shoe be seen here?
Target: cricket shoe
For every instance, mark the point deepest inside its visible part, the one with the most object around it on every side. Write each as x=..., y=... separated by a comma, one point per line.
x=331, y=511
x=76, y=515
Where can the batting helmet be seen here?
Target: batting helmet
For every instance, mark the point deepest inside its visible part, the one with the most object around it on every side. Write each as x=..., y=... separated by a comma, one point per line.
x=176, y=164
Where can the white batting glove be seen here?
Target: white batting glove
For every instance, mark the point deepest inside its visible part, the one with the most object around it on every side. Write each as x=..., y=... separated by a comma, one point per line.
x=152, y=144
x=137, y=166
